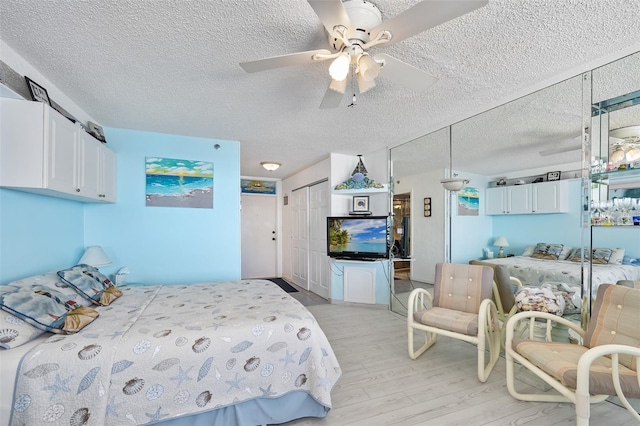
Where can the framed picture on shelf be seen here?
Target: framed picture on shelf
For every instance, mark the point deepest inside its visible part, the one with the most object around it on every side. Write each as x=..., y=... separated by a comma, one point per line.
x=38, y=93
x=551, y=176
x=427, y=207
x=360, y=203
x=96, y=131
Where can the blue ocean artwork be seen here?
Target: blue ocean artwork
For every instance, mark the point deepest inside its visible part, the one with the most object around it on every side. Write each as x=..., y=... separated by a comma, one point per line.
x=254, y=186
x=468, y=202
x=179, y=183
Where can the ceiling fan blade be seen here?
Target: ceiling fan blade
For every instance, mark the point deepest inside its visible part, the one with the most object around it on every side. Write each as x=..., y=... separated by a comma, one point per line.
x=331, y=98
x=424, y=15
x=561, y=150
x=331, y=13
x=404, y=74
x=300, y=58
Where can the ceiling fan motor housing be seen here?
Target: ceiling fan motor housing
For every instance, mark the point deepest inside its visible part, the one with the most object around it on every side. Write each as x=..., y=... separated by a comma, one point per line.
x=364, y=16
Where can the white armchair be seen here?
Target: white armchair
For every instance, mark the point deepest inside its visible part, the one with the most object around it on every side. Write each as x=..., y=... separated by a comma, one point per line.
x=605, y=364
x=461, y=308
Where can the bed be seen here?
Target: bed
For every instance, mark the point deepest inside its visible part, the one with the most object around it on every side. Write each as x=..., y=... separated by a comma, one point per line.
x=535, y=272
x=239, y=352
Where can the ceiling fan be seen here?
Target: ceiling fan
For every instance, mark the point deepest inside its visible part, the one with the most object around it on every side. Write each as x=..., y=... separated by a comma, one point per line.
x=353, y=28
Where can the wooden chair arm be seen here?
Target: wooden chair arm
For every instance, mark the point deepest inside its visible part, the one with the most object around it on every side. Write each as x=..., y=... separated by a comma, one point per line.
x=584, y=366
x=419, y=299
x=513, y=324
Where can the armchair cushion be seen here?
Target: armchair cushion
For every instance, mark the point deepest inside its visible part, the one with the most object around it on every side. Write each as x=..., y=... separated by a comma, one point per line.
x=560, y=360
x=505, y=288
x=615, y=320
x=447, y=319
x=461, y=286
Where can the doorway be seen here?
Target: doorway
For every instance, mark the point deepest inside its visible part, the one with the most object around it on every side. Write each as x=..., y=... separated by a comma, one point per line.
x=258, y=236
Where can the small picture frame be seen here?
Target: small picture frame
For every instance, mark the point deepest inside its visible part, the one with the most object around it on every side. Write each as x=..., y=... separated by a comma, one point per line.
x=551, y=176
x=38, y=93
x=360, y=203
x=427, y=207
x=96, y=132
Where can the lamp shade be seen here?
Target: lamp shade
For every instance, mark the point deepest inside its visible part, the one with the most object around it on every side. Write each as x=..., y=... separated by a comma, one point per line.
x=339, y=68
x=94, y=256
x=501, y=242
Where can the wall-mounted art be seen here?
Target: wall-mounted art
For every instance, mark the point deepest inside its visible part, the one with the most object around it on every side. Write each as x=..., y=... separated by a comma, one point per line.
x=255, y=186
x=179, y=183
x=468, y=202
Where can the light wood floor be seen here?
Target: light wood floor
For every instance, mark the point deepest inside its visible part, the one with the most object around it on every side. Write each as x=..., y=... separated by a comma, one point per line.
x=381, y=385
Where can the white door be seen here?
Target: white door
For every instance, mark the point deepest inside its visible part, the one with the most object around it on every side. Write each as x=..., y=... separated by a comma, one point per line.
x=319, y=272
x=299, y=238
x=258, y=230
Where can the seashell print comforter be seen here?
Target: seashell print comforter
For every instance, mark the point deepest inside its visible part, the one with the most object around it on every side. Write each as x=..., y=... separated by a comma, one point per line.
x=163, y=352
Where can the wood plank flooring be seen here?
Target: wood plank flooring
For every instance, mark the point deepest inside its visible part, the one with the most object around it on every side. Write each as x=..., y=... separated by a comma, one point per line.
x=381, y=385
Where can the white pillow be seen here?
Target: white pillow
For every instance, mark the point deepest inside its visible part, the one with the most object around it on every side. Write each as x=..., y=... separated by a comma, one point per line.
x=616, y=256
x=529, y=251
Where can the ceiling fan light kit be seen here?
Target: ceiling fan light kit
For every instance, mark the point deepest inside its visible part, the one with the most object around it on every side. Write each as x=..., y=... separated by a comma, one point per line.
x=352, y=27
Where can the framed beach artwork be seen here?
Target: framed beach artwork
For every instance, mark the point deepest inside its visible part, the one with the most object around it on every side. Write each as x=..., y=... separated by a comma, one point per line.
x=255, y=186
x=469, y=202
x=172, y=182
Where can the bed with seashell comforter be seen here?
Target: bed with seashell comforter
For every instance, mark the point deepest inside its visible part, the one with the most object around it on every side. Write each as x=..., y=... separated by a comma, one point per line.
x=240, y=352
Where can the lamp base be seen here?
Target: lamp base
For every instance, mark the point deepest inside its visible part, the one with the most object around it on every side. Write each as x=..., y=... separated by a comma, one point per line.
x=501, y=253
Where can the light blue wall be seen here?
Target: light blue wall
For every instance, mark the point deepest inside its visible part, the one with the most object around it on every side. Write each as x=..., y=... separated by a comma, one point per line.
x=169, y=245
x=470, y=234
x=38, y=234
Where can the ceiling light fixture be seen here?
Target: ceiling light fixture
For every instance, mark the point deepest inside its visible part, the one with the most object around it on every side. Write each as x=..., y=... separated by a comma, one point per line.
x=270, y=165
x=339, y=68
x=368, y=68
x=454, y=184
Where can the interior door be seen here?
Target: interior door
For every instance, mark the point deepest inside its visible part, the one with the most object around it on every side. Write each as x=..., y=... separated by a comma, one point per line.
x=300, y=237
x=319, y=272
x=258, y=230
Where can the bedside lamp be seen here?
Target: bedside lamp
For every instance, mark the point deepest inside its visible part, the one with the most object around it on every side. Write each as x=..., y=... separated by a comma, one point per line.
x=94, y=256
x=501, y=242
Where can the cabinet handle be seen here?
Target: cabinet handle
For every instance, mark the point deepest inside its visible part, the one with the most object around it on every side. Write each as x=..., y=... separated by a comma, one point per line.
x=77, y=189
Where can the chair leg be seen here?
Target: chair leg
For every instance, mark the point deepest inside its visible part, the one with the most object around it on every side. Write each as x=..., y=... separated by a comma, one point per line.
x=429, y=340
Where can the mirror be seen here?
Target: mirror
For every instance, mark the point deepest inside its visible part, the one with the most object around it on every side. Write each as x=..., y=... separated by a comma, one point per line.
x=536, y=138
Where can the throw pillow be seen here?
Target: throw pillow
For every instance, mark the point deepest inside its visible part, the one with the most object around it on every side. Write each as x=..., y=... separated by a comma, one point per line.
x=547, y=251
x=42, y=308
x=91, y=283
x=53, y=281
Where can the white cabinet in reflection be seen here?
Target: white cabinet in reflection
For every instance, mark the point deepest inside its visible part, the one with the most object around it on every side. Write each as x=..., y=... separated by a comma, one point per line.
x=545, y=197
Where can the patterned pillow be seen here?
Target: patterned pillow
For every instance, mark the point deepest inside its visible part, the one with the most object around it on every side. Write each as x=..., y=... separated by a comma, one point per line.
x=45, y=308
x=91, y=283
x=528, y=251
x=53, y=281
x=547, y=251
x=15, y=331
x=598, y=255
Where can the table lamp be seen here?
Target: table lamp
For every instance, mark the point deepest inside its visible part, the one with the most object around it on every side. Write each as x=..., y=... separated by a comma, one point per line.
x=501, y=242
x=94, y=256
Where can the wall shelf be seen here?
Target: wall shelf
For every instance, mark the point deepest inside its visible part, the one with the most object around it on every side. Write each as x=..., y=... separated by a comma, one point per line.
x=363, y=191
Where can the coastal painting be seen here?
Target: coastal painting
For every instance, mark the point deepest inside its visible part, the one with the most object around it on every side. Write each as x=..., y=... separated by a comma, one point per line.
x=179, y=183
x=253, y=186
x=469, y=202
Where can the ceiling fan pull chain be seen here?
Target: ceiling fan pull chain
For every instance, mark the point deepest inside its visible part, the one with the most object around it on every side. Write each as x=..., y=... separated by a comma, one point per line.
x=353, y=86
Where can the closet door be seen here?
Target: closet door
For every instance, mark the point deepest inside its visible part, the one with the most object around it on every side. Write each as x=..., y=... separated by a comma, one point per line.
x=300, y=237
x=319, y=272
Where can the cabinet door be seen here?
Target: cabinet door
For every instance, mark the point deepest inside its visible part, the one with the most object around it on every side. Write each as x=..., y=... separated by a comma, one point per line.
x=61, y=153
x=550, y=197
x=495, y=201
x=519, y=199
x=89, y=170
x=107, y=180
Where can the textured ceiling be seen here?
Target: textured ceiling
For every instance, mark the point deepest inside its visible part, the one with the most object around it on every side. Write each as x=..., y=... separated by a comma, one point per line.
x=172, y=66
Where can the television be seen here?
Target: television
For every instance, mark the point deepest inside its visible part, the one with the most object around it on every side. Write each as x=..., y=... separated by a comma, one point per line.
x=358, y=237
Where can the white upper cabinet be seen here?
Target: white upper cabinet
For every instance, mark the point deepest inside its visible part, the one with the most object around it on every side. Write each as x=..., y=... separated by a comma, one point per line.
x=531, y=198
x=43, y=152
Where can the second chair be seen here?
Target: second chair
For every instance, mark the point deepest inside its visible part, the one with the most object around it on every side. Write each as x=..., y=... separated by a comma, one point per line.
x=461, y=308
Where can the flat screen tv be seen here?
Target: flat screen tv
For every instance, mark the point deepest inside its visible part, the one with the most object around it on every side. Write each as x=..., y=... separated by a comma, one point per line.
x=358, y=238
